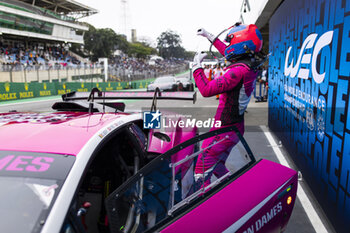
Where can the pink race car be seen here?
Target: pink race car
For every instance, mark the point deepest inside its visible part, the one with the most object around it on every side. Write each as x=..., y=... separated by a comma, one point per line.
x=90, y=167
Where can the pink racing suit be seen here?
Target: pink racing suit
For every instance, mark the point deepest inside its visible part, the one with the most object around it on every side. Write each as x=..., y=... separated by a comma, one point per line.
x=235, y=86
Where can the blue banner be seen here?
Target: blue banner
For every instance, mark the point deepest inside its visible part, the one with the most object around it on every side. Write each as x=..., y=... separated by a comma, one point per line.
x=309, y=108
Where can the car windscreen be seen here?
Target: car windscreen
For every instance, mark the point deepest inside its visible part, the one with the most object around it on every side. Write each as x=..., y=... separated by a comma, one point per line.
x=168, y=186
x=30, y=183
x=164, y=80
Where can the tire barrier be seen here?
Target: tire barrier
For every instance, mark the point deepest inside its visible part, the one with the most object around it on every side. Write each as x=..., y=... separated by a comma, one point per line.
x=17, y=91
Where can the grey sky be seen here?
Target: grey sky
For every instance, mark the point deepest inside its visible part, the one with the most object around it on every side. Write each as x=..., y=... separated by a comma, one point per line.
x=152, y=17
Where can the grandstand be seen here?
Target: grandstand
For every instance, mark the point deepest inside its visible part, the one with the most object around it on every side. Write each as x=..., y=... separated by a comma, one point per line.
x=35, y=40
x=38, y=33
x=44, y=19
x=40, y=26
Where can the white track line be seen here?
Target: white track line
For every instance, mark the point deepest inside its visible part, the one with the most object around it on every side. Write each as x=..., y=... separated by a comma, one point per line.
x=305, y=202
x=30, y=102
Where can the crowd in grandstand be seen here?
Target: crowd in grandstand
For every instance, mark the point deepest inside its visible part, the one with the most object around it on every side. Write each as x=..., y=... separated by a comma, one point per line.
x=28, y=54
x=127, y=68
x=36, y=57
x=33, y=56
x=138, y=64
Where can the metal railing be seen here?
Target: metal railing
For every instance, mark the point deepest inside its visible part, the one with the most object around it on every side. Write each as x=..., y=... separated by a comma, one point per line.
x=7, y=67
x=57, y=72
x=120, y=74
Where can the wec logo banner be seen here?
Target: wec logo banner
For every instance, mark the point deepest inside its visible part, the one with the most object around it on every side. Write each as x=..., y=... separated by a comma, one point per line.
x=307, y=58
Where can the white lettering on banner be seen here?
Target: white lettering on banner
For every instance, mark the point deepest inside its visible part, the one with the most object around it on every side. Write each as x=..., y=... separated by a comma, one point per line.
x=307, y=58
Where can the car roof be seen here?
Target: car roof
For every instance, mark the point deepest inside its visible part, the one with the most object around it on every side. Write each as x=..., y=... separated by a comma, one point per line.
x=166, y=77
x=57, y=132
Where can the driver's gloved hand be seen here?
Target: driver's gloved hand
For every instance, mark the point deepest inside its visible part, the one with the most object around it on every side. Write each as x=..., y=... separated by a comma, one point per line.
x=206, y=34
x=201, y=181
x=197, y=60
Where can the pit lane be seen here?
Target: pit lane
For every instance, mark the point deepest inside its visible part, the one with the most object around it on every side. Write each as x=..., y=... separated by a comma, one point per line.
x=255, y=121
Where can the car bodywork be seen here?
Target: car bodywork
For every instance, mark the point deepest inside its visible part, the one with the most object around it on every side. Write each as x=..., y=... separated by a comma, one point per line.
x=109, y=174
x=184, y=84
x=249, y=198
x=166, y=83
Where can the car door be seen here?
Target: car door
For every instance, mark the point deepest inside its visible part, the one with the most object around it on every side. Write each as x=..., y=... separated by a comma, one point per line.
x=165, y=189
x=116, y=160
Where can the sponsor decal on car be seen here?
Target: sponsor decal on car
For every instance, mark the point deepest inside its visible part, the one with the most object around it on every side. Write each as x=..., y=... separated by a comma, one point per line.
x=266, y=218
x=33, y=117
x=35, y=164
x=110, y=128
x=27, y=163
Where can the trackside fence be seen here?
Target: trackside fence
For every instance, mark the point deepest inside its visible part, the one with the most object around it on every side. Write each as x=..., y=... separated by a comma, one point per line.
x=17, y=91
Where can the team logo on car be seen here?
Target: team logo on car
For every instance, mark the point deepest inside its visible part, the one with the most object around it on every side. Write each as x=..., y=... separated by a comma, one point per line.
x=151, y=120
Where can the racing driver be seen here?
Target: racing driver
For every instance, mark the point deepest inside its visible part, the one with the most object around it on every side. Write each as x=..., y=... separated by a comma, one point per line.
x=235, y=87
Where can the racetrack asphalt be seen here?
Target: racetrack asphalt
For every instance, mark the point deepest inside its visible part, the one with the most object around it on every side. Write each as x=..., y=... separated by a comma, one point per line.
x=204, y=108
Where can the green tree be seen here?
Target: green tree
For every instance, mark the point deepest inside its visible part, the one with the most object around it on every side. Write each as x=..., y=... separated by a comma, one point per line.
x=103, y=42
x=140, y=50
x=169, y=45
x=122, y=43
x=189, y=55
